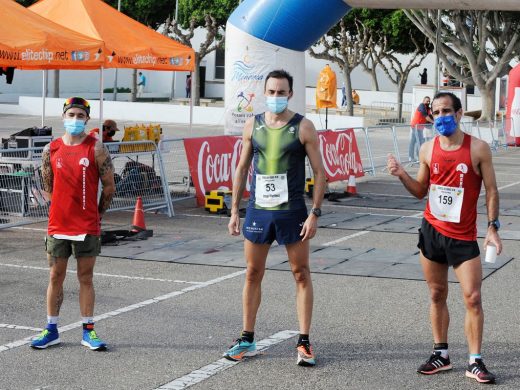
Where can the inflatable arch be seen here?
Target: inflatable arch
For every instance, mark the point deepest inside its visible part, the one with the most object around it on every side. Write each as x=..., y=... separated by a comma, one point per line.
x=262, y=35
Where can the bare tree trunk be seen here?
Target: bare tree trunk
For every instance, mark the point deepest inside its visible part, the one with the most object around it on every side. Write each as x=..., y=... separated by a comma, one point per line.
x=487, y=93
x=56, y=92
x=133, y=98
x=348, y=90
x=374, y=81
x=400, y=92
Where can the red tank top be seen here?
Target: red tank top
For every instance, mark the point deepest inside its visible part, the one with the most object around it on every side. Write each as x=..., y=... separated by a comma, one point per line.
x=74, y=206
x=454, y=169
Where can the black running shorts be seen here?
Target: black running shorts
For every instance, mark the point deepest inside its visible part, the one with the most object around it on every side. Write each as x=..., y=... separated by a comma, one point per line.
x=445, y=250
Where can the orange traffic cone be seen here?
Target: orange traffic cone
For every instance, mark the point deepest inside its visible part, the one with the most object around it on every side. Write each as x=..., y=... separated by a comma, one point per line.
x=138, y=222
x=351, y=186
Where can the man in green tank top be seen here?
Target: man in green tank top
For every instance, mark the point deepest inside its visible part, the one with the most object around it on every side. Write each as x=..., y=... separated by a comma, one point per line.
x=277, y=142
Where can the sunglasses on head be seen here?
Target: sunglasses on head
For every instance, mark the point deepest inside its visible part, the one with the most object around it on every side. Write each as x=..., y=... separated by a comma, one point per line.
x=77, y=100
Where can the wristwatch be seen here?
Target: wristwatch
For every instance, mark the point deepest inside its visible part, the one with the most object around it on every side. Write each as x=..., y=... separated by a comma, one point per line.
x=316, y=212
x=495, y=223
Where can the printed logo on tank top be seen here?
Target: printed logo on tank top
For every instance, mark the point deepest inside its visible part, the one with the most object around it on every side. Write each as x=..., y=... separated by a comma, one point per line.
x=85, y=163
x=292, y=130
x=435, y=168
x=463, y=168
x=59, y=163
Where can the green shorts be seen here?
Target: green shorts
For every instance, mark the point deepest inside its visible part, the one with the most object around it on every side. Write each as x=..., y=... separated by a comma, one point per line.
x=56, y=247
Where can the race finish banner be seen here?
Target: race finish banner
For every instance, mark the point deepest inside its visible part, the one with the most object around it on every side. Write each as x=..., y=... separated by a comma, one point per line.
x=340, y=154
x=212, y=162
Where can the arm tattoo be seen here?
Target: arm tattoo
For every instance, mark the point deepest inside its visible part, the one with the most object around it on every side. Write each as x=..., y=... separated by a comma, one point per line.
x=47, y=174
x=103, y=155
x=106, y=174
x=104, y=202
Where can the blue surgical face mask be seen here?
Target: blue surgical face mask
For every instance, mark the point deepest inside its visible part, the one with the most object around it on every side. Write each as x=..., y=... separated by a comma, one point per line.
x=446, y=125
x=276, y=104
x=74, y=126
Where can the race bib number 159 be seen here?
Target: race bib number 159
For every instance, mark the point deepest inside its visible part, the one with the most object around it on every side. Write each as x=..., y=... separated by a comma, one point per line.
x=446, y=202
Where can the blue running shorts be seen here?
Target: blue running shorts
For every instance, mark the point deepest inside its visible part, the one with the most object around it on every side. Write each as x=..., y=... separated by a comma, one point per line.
x=265, y=226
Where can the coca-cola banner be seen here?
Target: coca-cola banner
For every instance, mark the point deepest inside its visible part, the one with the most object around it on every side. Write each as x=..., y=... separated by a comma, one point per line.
x=340, y=154
x=212, y=162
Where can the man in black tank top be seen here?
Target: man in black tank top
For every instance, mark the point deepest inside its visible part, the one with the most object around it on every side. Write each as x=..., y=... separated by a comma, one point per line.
x=277, y=142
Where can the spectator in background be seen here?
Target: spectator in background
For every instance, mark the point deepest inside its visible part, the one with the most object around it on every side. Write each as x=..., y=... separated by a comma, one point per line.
x=422, y=117
x=344, y=96
x=109, y=130
x=141, y=84
x=424, y=77
x=355, y=97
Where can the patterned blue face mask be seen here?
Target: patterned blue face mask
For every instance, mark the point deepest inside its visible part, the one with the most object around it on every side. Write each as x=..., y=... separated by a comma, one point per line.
x=74, y=126
x=276, y=104
x=446, y=125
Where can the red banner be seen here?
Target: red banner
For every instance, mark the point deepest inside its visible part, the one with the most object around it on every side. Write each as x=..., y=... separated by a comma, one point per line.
x=340, y=154
x=212, y=162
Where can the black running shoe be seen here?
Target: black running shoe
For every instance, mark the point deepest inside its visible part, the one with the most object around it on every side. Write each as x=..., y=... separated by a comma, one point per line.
x=435, y=364
x=479, y=372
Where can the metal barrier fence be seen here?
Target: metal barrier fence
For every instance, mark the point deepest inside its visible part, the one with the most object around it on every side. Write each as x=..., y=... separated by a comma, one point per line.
x=388, y=112
x=492, y=132
x=22, y=199
x=381, y=141
x=176, y=170
x=138, y=167
x=138, y=171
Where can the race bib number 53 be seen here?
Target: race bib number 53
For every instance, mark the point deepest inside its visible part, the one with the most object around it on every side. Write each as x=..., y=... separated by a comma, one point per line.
x=271, y=190
x=446, y=202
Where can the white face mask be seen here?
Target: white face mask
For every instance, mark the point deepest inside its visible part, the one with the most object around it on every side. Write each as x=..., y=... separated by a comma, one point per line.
x=74, y=126
x=277, y=104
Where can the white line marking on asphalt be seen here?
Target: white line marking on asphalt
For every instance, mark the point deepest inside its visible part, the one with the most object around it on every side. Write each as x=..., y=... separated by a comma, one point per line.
x=220, y=365
x=20, y=327
x=330, y=243
x=71, y=271
x=126, y=309
x=419, y=214
x=509, y=185
x=27, y=228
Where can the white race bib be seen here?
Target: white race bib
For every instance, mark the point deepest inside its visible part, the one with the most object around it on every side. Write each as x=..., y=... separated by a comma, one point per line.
x=271, y=190
x=446, y=202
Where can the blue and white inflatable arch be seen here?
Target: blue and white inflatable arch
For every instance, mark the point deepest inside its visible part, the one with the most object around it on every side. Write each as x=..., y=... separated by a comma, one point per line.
x=262, y=35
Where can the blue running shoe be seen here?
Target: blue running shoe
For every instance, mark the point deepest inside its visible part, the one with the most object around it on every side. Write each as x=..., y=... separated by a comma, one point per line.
x=92, y=341
x=240, y=349
x=46, y=338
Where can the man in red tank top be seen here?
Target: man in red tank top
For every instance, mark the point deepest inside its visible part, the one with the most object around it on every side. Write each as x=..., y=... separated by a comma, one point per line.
x=72, y=167
x=422, y=117
x=452, y=169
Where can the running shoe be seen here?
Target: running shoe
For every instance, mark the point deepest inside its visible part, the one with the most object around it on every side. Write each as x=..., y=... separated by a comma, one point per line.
x=306, y=357
x=92, y=341
x=479, y=372
x=240, y=349
x=435, y=364
x=46, y=339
